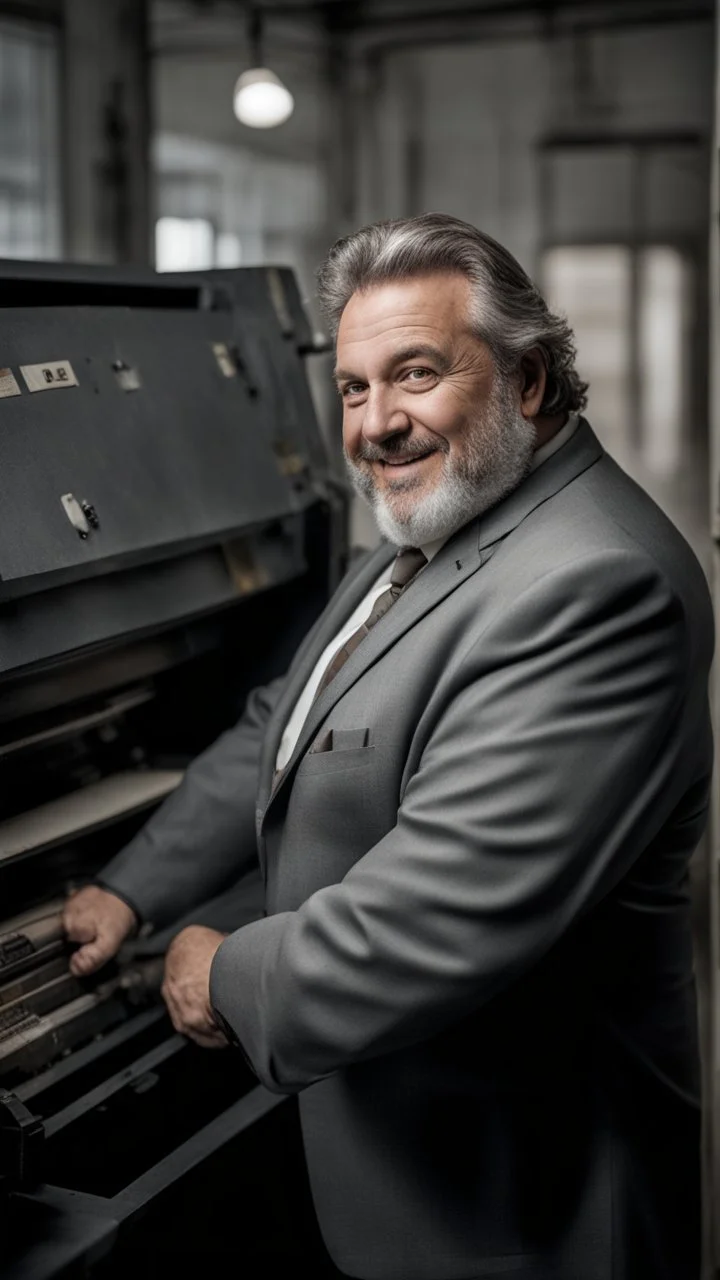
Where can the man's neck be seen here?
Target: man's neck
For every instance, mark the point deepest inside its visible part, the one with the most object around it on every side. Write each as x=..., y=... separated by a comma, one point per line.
x=548, y=426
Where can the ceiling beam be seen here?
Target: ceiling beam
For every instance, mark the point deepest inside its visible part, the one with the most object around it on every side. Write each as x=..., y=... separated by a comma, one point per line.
x=354, y=15
x=492, y=22
x=49, y=12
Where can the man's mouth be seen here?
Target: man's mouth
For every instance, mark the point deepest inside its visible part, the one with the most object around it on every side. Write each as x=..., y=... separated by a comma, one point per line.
x=401, y=464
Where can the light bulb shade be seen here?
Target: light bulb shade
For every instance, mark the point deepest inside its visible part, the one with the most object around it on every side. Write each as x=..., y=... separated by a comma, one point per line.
x=261, y=99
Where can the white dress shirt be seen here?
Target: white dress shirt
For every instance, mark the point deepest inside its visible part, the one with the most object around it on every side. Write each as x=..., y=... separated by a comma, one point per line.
x=365, y=607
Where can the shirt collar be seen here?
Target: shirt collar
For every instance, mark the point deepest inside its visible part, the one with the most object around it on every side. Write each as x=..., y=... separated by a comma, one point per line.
x=556, y=442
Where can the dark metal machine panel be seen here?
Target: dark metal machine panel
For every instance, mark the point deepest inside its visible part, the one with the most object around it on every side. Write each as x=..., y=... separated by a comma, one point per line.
x=169, y=436
x=168, y=421
x=269, y=297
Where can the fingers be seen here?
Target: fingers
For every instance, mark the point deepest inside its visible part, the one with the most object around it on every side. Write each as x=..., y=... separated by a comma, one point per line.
x=206, y=1040
x=185, y=987
x=78, y=926
x=210, y=1041
x=101, y=938
x=202, y=1033
x=191, y=1016
x=91, y=957
x=75, y=921
x=101, y=922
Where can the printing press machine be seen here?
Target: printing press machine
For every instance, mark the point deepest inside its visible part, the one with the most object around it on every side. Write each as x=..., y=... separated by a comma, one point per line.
x=169, y=529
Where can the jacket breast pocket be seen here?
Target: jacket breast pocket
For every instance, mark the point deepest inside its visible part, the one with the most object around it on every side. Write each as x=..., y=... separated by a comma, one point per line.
x=325, y=763
x=331, y=821
x=340, y=741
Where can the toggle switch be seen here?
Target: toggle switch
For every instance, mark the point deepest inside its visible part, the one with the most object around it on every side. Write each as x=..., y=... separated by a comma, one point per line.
x=75, y=514
x=82, y=515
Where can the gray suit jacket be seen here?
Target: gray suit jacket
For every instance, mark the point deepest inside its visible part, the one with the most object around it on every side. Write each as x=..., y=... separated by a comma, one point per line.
x=476, y=963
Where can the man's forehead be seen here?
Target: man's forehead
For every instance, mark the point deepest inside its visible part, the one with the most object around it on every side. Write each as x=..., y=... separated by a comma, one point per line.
x=427, y=311
x=426, y=300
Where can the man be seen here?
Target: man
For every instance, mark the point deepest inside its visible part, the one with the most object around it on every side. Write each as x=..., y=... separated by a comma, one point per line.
x=474, y=813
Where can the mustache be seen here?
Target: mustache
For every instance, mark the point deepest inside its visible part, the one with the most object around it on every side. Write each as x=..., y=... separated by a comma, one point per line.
x=394, y=451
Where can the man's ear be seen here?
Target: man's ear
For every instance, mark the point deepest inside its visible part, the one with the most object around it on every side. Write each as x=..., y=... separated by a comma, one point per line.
x=533, y=378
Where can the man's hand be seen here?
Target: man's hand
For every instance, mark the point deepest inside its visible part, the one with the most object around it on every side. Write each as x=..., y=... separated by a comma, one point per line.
x=101, y=922
x=186, y=988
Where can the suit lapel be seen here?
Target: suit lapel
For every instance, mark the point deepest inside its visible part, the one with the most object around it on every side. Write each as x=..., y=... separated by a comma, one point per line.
x=341, y=606
x=580, y=452
x=460, y=557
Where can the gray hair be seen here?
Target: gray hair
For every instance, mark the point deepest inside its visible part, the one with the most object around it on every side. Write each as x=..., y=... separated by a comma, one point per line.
x=509, y=312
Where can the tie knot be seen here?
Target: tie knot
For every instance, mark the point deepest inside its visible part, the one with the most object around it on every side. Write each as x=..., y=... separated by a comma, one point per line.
x=407, y=564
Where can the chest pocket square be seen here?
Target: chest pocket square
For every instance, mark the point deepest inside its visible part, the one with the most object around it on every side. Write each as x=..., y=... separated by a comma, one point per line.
x=340, y=740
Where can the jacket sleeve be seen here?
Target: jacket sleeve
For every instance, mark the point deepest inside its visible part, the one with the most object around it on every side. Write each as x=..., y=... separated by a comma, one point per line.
x=203, y=837
x=568, y=728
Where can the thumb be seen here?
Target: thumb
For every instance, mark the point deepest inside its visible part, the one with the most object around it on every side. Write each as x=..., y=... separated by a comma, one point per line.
x=79, y=928
x=89, y=957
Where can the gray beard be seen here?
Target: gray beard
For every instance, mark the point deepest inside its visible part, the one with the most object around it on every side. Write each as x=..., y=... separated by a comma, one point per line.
x=498, y=455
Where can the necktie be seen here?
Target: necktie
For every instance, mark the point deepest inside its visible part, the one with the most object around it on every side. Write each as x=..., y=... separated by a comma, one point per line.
x=407, y=564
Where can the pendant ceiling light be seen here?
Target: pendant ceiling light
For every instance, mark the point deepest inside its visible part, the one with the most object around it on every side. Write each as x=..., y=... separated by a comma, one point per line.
x=260, y=98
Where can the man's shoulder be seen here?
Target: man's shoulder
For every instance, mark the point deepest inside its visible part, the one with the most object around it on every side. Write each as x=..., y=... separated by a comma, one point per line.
x=601, y=537
x=605, y=510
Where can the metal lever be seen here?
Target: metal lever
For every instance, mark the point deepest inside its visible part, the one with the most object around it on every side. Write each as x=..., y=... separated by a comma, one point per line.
x=22, y=1138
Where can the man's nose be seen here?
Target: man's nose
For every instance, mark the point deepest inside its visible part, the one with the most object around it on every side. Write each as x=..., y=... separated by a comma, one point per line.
x=383, y=417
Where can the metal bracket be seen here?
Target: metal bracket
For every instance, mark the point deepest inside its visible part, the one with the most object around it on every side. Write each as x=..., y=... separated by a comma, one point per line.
x=22, y=1137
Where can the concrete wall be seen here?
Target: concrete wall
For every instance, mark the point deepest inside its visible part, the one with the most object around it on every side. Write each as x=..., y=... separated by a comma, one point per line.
x=483, y=130
x=386, y=131
x=274, y=189
x=458, y=128
x=30, y=204
x=268, y=186
x=105, y=130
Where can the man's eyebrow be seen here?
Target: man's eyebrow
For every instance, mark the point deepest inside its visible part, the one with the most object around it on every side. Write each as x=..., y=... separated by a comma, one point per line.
x=414, y=352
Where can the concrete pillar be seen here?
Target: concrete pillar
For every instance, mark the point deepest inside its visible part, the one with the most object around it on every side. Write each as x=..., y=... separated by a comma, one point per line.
x=106, y=131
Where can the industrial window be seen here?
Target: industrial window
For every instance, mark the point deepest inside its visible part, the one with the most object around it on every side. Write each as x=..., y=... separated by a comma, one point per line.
x=29, y=168
x=184, y=244
x=591, y=286
x=663, y=322
x=192, y=244
x=631, y=308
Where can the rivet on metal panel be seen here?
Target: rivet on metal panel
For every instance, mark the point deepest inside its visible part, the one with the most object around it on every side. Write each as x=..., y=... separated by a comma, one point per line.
x=126, y=376
x=90, y=514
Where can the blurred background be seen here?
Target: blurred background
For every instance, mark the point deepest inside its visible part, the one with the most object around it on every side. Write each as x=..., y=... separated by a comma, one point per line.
x=576, y=133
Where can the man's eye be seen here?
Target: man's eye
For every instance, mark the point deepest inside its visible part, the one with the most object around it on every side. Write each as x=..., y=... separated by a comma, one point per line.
x=352, y=389
x=419, y=375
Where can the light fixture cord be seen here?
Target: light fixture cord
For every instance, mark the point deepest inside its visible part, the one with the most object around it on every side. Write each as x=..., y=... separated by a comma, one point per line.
x=256, y=37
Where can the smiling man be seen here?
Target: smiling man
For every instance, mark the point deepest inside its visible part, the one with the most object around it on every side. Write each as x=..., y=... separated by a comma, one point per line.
x=441, y=434
x=474, y=798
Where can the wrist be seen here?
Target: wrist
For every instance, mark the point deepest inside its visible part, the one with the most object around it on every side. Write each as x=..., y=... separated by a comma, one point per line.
x=134, y=917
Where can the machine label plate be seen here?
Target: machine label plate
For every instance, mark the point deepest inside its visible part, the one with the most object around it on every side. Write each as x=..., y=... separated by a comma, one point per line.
x=48, y=376
x=8, y=384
